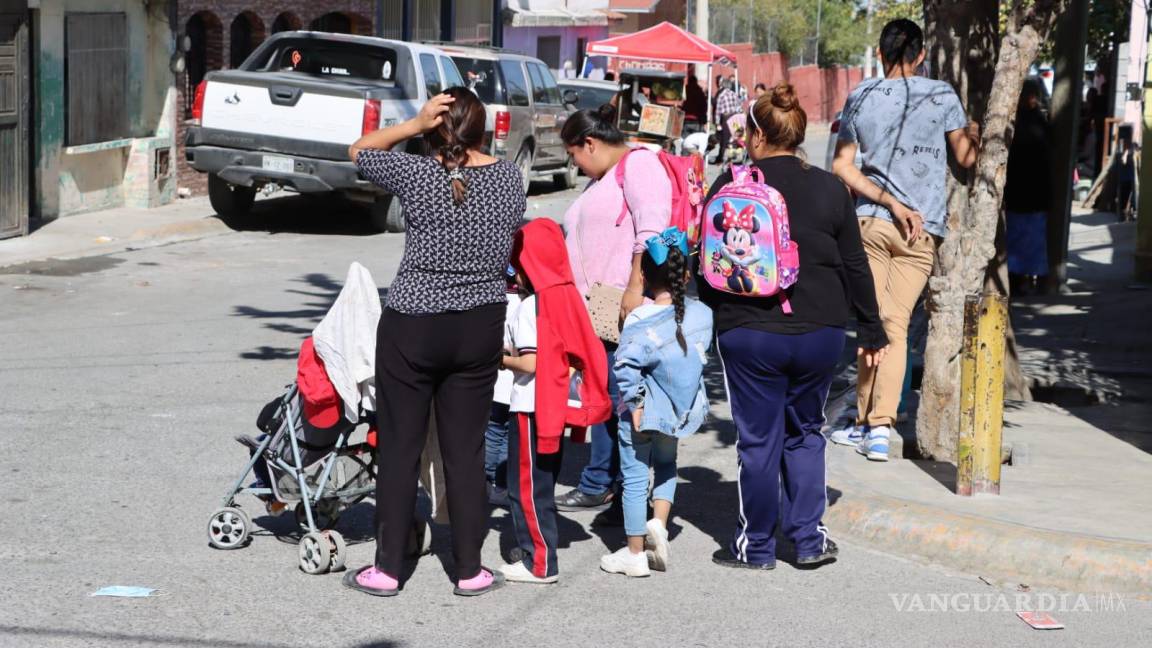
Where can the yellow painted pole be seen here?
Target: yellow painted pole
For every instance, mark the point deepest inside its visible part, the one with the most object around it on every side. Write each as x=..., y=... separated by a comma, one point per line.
x=981, y=394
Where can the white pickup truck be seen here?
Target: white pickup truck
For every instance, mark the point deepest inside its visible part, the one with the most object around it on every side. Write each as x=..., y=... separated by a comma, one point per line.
x=287, y=116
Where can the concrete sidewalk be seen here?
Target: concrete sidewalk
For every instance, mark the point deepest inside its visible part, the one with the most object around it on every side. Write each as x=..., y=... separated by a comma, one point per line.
x=114, y=230
x=1073, y=512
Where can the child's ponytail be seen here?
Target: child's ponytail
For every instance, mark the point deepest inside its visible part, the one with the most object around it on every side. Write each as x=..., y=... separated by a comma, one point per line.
x=678, y=285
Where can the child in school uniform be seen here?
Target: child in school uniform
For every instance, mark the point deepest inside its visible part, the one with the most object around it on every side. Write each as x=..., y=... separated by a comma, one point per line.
x=552, y=340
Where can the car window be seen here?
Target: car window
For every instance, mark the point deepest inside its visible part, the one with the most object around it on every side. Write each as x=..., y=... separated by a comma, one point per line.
x=544, y=90
x=515, y=82
x=481, y=76
x=592, y=98
x=328, y=59
x=431, y=74
x=549, y=84
x=452, y=76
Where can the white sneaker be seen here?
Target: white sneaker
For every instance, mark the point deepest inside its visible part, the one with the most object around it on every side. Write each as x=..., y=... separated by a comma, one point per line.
x=657, y=543
x=627, y=563
x=849, y=435
x=875, y=445
x=517, y=573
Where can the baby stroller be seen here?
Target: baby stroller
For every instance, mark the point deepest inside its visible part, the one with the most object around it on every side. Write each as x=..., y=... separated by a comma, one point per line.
x=305, y=457
x=318, y=470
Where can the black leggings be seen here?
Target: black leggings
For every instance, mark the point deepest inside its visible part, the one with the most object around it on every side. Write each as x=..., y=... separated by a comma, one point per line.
x=449, y=359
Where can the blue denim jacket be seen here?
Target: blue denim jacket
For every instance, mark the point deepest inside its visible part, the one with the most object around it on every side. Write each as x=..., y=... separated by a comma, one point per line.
x=654, y=372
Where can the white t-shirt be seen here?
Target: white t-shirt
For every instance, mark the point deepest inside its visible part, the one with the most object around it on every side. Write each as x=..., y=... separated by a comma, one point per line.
x=697, y=141
x=503, y=392
x=522, y=335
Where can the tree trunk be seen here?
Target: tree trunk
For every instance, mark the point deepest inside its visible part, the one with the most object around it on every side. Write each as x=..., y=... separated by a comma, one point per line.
x=974, y=206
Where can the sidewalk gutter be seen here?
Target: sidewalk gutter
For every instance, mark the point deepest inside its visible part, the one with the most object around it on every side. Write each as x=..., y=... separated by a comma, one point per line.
x=113, y=232
x=999, y=550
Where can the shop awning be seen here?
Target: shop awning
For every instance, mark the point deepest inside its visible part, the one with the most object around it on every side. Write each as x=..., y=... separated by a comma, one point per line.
x=515, y=17
x=664, y=42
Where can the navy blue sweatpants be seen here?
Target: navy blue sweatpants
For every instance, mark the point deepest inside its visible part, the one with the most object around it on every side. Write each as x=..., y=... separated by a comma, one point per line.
x=532, y=495
x=777, y=386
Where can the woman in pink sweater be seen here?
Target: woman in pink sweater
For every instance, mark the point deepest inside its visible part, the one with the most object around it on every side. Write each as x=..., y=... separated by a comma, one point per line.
x=606, y=249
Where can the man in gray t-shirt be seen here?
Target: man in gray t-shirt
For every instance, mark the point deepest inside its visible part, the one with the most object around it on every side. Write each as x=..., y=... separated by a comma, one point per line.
x=902, y=127
x=899, y=126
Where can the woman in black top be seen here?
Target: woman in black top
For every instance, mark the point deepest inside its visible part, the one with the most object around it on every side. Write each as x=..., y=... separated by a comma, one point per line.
x=441, y=333
x=779, y=367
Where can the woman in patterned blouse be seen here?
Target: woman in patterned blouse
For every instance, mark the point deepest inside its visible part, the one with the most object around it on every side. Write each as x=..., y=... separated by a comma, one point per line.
x=441, y=333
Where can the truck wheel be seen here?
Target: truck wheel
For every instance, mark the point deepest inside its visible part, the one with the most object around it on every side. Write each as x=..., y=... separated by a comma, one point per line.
x=388, y=215
x=524, y=162
x=567, y=178
x=228, y=200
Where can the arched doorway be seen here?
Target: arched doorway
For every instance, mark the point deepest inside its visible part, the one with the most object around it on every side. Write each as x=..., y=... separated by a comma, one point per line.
x=246, y=33
x=342, y=23
x=335, y=22
x=205, y=53
x=286, y=21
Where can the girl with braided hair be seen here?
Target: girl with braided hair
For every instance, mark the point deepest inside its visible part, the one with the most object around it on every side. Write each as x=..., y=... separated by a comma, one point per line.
x=660, y=370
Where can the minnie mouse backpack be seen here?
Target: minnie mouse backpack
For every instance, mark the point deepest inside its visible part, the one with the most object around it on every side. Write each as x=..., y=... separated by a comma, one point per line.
x=745, y=247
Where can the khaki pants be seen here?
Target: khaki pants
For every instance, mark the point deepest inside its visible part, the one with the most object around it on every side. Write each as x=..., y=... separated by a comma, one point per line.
x=900, y=271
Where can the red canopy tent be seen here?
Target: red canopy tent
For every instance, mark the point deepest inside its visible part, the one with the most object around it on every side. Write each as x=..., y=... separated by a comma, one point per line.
x=666, y=43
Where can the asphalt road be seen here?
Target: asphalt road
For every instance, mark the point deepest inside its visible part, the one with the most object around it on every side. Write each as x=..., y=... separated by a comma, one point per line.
x=123, y=379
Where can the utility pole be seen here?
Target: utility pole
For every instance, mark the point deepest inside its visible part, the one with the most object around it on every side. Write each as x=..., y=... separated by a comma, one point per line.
x=868, y=66
x=1144, y=211
x=819, y=18
x=702, y=32
x=1071, y=39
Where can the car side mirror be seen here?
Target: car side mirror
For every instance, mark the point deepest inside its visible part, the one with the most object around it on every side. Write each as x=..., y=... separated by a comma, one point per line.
x=571, y=97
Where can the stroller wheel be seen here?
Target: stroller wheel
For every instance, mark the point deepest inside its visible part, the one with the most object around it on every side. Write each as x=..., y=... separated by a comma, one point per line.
x=339, y=550
x=229, y=528
x=324, y=514
x=315, y=553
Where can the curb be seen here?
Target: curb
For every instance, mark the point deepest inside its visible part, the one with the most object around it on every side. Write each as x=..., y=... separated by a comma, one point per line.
x=999, y=550
x=140, y=239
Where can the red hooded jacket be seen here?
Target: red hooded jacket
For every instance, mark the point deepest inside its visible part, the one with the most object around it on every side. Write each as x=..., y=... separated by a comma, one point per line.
x=564, y=337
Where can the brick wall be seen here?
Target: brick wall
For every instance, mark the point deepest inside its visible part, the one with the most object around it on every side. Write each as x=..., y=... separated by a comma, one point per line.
x=261, y=15
x=822, y=91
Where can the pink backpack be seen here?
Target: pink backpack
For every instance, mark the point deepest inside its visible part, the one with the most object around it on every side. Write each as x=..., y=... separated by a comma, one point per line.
x=745, y=244
x=686, y=173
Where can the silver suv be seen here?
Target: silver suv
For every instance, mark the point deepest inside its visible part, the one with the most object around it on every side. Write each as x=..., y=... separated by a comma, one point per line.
x=526, y=111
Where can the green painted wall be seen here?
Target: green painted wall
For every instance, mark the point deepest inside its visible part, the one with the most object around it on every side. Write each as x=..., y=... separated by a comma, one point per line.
x=86, y=181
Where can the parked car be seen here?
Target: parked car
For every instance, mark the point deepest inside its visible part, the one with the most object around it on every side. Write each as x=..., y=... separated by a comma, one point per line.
x=588, y=94
x=525, y=111
x=287, y=115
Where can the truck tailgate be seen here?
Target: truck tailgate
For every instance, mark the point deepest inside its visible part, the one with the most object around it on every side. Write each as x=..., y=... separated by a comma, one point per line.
x=282, y=109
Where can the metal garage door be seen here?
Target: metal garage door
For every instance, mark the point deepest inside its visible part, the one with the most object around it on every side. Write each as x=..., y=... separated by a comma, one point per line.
x=14, y=115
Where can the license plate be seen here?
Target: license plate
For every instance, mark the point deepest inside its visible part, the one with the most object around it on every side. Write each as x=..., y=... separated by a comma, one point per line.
x=280, y=164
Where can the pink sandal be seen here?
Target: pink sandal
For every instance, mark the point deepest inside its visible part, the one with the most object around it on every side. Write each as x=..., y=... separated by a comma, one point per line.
x=482, y=583
x=372, y=581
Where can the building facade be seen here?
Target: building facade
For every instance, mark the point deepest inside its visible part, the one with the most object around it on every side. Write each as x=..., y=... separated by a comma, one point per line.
x=557, y=32
x=636, y=15
x=88, y=86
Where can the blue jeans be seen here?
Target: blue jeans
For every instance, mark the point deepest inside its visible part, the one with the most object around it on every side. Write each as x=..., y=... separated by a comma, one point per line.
x=603, y=467
x=640, y=451
x=496, y=446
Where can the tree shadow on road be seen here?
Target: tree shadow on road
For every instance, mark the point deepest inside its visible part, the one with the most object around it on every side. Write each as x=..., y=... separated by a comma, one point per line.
x=320, y=293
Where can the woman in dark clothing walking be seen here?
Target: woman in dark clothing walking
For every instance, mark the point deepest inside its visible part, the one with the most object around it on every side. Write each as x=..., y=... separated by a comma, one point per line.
x=779, y=366
x=441, y=332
